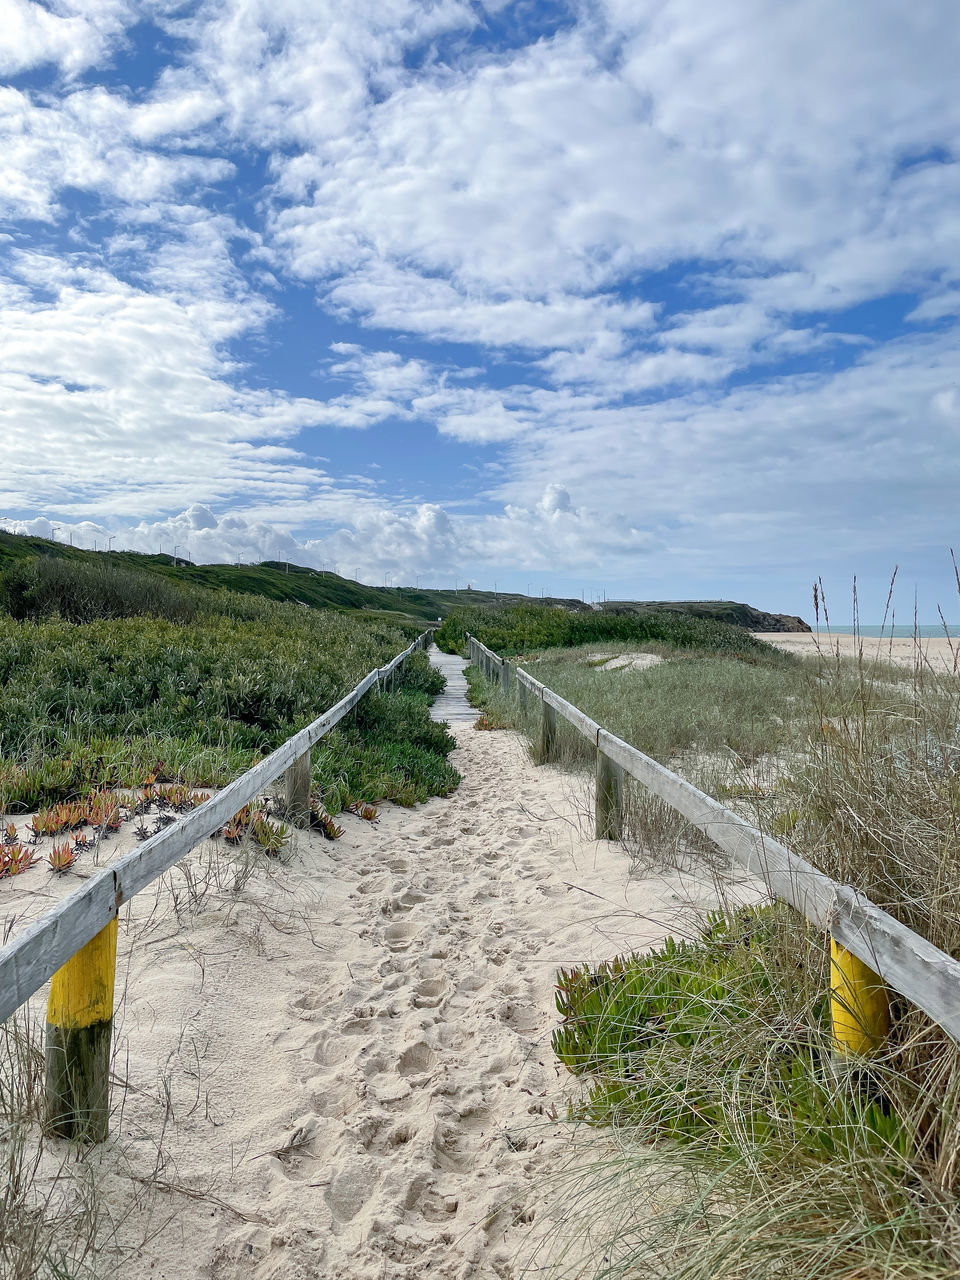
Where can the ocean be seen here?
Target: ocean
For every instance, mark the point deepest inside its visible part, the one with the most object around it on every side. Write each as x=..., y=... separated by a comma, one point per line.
x=904, y=632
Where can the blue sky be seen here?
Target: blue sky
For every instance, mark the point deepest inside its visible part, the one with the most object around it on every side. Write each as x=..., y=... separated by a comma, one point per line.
x=655, y=299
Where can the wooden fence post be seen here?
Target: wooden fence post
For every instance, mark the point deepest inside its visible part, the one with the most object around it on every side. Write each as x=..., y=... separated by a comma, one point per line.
x=608, y=807
x=505, y=675
x=859, y=1005
x=79, y=1031
x=296, y=782
x=548, y=733
x=521, y=694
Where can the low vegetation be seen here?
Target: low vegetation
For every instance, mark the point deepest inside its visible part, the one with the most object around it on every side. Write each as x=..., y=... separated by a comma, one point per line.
x=186, y=686
x=526, y=628
x=710, y=1061
x=121, y=694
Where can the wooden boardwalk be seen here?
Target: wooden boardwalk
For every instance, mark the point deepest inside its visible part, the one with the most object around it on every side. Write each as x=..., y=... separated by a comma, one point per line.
x=452, y=704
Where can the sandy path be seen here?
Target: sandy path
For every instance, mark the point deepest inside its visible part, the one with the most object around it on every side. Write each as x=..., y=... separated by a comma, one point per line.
x=351, y=1065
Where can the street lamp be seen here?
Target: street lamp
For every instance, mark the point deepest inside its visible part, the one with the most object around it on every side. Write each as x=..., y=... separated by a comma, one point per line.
x=110, y=541
x=176, y=548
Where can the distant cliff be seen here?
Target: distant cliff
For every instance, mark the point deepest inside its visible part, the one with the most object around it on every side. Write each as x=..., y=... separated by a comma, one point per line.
x=741, y=615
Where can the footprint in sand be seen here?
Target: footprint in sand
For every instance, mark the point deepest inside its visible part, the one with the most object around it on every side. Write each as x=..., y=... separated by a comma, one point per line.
x=416, y=1059
x=404, y=901
x=328, y=1049
x=430, y=993
x=399, y=936
x=309, y=1001
x=374, y=884
x=351, y=1188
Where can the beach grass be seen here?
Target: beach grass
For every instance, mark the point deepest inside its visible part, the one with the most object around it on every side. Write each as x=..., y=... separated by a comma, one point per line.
x=710, y=1063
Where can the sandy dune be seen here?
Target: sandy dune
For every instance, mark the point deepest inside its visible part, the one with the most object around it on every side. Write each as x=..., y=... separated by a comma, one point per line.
x=346, y=1070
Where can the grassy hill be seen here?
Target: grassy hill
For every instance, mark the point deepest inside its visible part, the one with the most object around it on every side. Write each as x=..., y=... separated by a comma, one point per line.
x=321, y=589
x=274, y=580
x=739, y=615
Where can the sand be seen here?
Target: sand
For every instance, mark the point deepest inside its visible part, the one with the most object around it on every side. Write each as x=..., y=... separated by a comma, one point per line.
x=936, y=652
x=622, y=661
x=344, y=1070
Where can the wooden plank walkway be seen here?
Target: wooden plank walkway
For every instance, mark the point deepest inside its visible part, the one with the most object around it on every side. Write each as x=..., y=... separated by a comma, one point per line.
x=452, y=704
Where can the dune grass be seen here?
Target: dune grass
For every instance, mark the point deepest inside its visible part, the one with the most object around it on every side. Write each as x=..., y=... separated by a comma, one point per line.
x=710, y=1062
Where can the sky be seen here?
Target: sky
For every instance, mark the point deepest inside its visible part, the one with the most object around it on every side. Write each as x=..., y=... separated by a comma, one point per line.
x=655, y=299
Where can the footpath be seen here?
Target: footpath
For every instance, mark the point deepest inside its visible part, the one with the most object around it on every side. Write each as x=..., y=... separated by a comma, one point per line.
x=359, y=1062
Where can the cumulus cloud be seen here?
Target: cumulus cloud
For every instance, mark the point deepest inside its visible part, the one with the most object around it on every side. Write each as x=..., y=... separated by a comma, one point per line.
x=637, y=238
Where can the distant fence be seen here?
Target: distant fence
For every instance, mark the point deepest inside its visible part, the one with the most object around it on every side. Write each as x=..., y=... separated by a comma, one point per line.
x=866, y=942
x=75, y=942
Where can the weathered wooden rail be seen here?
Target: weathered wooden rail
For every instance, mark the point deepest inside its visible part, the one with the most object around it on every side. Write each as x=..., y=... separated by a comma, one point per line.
x=866, y=942
x=75, y=942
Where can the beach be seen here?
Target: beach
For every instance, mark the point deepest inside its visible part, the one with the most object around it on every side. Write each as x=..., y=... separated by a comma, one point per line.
x=935, y=653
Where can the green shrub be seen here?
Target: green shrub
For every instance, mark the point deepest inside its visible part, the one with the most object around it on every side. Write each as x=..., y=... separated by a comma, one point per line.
x=526, y=628
x=46, y=587
x=701, y=1041
x=393, y=752
x=103, y=703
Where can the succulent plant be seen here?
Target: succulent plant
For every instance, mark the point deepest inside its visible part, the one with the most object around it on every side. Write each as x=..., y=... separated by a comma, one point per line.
x=61, y=858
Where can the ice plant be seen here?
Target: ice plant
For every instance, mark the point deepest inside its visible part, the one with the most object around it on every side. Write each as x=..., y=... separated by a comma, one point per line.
x=321, y=821
x=270, y=837
x=19, y=858
x=61, y=858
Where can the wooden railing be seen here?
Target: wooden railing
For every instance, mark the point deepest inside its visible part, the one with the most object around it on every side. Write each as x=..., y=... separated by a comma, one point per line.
x=75, y=942
x=866, y=942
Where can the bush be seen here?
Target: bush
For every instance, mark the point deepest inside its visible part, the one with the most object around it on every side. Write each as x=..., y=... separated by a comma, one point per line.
x=78, y=592
x=103, y=703
x=526, y=628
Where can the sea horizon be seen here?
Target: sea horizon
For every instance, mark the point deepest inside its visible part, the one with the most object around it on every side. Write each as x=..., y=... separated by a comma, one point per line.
x=901, y=631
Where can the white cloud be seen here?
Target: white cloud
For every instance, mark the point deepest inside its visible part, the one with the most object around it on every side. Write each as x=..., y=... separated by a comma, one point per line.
x=641, y=211
x=72, y=35
x=113, y=399
x=500, y=204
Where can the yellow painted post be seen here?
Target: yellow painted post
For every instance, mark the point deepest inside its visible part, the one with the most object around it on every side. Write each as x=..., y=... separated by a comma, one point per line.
x=79, y=1031
x=859, y=1005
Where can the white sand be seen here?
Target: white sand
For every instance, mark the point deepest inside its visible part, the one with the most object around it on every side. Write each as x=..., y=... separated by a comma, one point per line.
x=936, y=652
x=346, y=1071
x=623, y=661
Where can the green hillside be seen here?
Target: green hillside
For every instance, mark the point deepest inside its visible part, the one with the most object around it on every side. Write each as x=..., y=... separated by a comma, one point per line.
x=321, y=589
x=274, y=580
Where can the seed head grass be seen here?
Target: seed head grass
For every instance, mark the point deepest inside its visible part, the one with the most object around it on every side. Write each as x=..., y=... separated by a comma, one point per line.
x=731, y=1141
